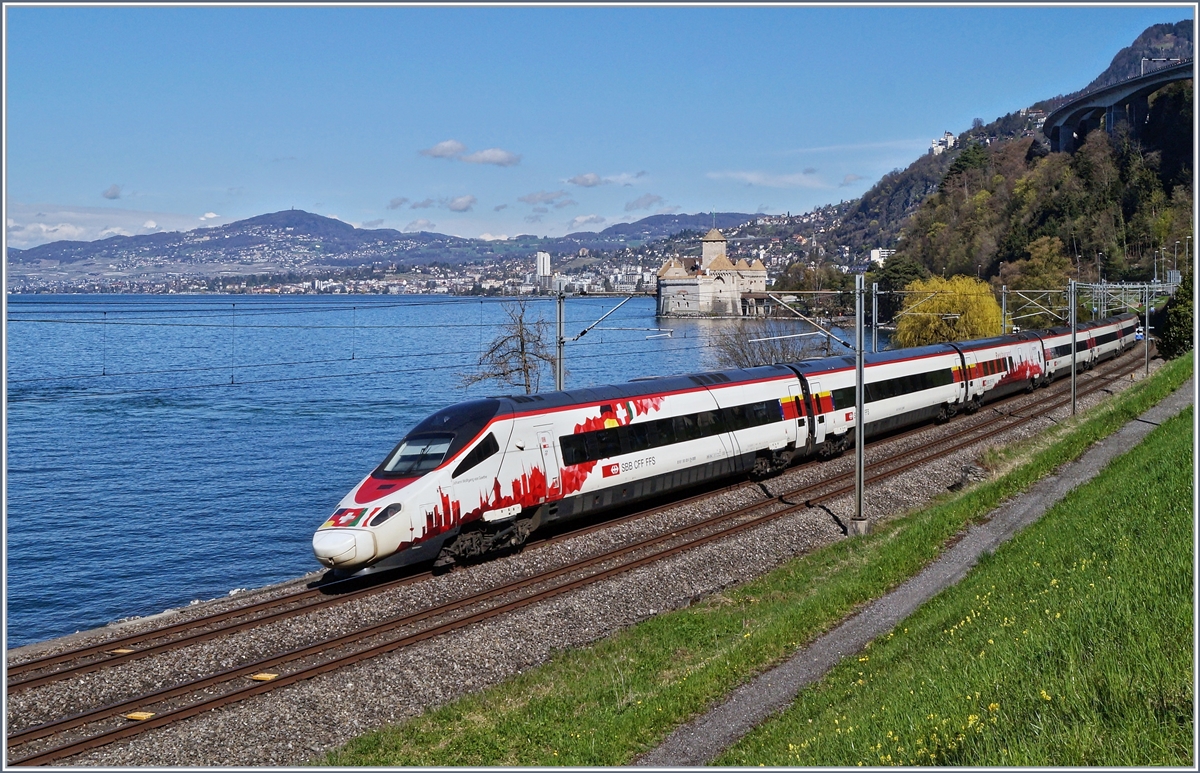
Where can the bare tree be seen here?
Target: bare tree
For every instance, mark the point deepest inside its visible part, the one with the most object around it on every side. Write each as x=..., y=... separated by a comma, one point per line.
x=770, y=340
x=517, y=356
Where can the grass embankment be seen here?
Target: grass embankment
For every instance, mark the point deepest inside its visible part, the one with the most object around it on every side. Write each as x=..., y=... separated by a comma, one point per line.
x=604, y=704
x=1071, y=645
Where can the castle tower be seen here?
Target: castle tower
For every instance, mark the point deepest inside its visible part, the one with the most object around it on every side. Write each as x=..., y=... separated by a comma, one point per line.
x=712, y=246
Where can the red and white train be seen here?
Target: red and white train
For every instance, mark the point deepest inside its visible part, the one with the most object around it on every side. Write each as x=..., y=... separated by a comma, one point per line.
x=480, y=476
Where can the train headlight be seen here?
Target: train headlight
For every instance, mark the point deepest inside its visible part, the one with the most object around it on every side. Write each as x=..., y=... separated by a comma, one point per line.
x=388, y=512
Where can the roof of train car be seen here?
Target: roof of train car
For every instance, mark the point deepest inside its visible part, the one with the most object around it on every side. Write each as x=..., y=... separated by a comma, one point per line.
x=640, y=388
x=829, y=364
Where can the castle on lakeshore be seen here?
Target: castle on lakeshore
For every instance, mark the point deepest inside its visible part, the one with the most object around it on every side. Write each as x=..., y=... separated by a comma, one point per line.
x=711, y=285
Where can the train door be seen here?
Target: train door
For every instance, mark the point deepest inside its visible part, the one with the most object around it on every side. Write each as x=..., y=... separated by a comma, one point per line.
x=816, y=417
x=545, y=439
x=971, y=375
x=800, y=436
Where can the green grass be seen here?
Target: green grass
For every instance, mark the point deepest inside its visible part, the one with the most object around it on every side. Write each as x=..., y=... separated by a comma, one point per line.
x=1072, y=645
x=604, y=704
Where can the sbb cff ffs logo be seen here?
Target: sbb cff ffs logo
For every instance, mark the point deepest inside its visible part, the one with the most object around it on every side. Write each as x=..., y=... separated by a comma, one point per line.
x=612, y=469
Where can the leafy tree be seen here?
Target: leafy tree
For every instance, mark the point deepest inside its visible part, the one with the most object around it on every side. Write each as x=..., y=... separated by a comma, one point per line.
x=936, y=310
x=1046, y=268
x=973, y=156
x=1178, y=333
x=518, y=355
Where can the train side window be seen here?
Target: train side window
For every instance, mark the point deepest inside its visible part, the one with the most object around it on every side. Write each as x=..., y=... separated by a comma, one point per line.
x=574, y=450
x=685, y=428
x=735, y=418
x=843, y=398
x=708, y=423
x=487, y=447
x=608, y=443
x=663, y=432
x=637, y=437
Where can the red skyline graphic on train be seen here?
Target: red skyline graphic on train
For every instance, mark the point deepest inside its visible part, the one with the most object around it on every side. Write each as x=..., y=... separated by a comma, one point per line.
x=531, y=489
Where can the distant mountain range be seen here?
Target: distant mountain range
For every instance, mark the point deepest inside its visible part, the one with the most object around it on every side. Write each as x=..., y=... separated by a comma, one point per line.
x=295, y=239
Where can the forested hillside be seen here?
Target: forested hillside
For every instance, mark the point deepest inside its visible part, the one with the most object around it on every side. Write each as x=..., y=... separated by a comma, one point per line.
x=1043, y=214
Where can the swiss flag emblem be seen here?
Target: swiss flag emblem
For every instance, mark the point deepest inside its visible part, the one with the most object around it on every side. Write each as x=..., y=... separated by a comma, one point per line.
x=611, y=470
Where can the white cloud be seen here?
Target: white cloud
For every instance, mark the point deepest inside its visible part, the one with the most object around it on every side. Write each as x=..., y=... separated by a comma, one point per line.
x=584, y=220
x=565, y=203
x=420, y=225
x=150, y=225
x=533, y=218
x=493, y=237
x=397, y=202
x=494, y=156
x=624, y=178
x=112, y=192
x=589, y=180
x=426, y=204
x=114, y=230
x=461, y=204
x=499, y=207
x=542, y=197
x=766, y=180
x=849, y=179
x=445, y=149
x=209, y=216
x=643, y=202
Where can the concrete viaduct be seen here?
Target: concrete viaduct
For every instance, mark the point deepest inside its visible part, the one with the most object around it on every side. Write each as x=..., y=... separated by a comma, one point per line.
x=1127, y=100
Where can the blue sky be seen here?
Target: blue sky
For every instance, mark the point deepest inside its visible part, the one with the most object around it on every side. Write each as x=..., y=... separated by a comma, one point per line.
x=492, y=122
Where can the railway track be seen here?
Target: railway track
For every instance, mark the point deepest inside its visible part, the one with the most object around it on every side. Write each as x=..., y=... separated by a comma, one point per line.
x=105, y=724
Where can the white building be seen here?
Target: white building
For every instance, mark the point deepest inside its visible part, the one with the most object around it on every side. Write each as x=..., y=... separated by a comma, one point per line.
x=710, y=285
x=944, y=143
x=880, y=256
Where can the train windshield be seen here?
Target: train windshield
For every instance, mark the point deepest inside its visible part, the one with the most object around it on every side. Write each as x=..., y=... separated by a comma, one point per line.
x=417, y=455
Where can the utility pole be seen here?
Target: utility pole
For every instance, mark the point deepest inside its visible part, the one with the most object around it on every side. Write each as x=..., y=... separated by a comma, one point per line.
x=1003, y=309
x=859, y=523
x=874, y=317
x=560, y=379
x=1074, y=345
x=1146, y=328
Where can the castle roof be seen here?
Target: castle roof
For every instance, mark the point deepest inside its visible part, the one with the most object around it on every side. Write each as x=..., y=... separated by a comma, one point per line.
x=742, y=265
x=757, y=265
x=672, y=269
x=713, y=236
x=720, y=263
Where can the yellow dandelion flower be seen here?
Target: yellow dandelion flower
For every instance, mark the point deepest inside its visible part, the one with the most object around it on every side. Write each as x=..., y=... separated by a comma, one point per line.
x=993, y=707
x=1045, y=696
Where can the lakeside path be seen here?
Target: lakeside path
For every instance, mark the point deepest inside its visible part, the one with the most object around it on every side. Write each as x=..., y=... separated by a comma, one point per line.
x=704, y=738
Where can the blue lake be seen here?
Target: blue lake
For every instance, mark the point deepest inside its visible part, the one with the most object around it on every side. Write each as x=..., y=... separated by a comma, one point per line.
x=163, y=449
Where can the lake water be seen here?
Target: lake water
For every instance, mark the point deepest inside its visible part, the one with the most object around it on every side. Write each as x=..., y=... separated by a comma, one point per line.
x=162, y=449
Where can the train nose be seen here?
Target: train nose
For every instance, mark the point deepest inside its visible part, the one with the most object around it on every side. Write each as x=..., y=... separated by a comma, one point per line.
x=343, y=547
